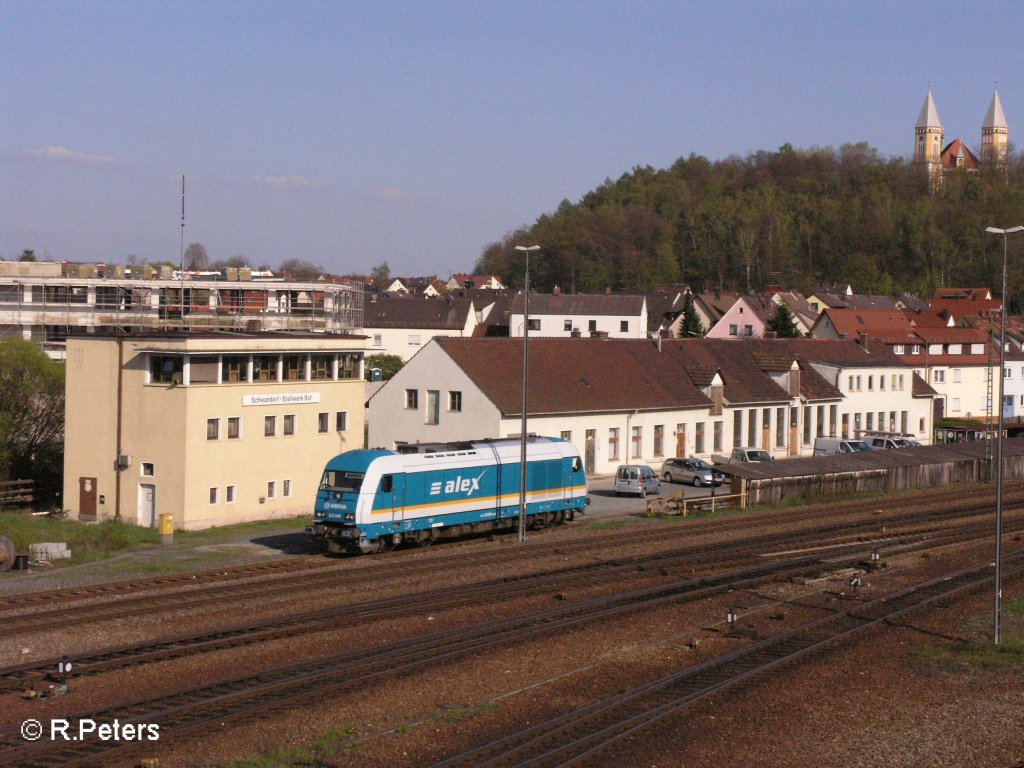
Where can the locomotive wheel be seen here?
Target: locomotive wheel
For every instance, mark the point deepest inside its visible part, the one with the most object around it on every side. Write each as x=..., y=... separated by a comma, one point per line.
x=426, y=541
x=387, y=543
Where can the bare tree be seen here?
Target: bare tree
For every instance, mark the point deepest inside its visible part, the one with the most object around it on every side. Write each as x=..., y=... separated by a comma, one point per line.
x=196, y=259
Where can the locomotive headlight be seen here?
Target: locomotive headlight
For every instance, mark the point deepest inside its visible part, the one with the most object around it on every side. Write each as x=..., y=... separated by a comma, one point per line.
x=318, y=514
x=350, y=517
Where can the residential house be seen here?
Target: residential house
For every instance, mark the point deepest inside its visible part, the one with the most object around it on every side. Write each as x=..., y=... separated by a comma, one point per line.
x=639, y=400
x=745, y=319
x=711, y=305
x=401, y=324
x=581, y=314
x=482, y=282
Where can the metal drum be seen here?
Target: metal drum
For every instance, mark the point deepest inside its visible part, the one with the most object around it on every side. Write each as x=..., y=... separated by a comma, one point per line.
x=7, y=554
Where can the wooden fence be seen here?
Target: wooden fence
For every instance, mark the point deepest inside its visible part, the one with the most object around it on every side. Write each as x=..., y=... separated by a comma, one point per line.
x=16, y=493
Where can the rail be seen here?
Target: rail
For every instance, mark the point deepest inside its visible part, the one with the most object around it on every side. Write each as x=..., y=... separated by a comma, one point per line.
x=678, y=504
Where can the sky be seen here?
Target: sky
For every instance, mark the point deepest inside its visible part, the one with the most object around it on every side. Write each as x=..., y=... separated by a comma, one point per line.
x=350, y=134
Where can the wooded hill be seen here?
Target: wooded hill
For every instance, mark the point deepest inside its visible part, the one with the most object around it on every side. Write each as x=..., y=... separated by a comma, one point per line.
x=792, y=217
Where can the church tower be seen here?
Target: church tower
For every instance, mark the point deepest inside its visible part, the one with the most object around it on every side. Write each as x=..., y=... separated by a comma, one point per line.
x=995, y=134
x=928, y=139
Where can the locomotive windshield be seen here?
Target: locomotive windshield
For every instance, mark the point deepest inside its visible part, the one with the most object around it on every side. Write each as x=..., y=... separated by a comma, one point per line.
x=341, y=481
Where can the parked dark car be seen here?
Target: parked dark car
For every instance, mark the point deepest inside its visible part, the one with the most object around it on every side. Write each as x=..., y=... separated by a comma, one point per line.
x=697, y=472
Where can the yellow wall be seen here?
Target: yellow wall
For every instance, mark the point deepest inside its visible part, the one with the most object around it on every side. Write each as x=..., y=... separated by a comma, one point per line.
x=166, y=426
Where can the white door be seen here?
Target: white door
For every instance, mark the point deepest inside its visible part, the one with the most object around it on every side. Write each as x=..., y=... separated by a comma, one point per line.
x=147, y=505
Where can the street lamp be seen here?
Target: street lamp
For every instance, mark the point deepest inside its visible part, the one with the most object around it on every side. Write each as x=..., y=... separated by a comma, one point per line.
x=526, y=368
x=999, y=438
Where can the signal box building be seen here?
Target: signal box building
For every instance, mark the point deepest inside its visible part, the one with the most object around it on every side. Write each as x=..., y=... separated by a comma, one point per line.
x=212, y=428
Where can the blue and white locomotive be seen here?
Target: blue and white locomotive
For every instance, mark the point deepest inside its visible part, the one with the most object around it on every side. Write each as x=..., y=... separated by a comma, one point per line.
x=372, y=500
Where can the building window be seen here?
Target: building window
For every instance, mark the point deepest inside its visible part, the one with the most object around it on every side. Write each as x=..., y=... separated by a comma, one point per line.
x=780, y=427
x=288, y=424
x=718, y=436
x=321, y=367
x=294, y=367
x=920, y=427
x=871, y=421
x=234, y=427
x=213, y=429
x=229, y=494
x=455, y=401
x=323, y=422
x=613, y=443
x=858, y=384
x=377, y=341
x=147, y=469
x=904, y=423
x=850, y=387
x=957, y=374
x=624, y=326
x=820, y=427
x=340, y=421
x=956, y=405
x=898, y=349
x=412, y=399
x=592, y=325
x=264, y=368
x=659, y=439
x=234, y=369
x=214, y=495
x=286, y=487
x=166, y=369
x=807, y=425
x=637, y=438
x=698, y=437
x=1007, y=373
x=567, y=325
x=737, y=429
x=734, y=330
x=271, y=489
x=901, y=382
x=348, y=366
x=871, y=383
x=533, y=324
x=566, y=435
x=846, y=425
x=915, y=349
x=748, y=330
x=433, y=406
x=832, y=411
x=414, y=339
x=939, y=376
x=881, y=382
x=752, y=428
x=269, y=426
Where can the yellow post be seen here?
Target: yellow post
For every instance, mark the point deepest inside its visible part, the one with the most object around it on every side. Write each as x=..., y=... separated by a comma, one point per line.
x=166, y=528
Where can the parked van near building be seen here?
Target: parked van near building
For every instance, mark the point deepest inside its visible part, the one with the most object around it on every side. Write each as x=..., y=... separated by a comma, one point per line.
x=749, y=455
x=636, y=478
x=830, y=446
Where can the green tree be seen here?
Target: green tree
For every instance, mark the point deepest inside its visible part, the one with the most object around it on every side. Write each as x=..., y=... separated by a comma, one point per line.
x=196, y=259
x=782, y=323
x=692, y=326
x=28, y=255
x=389, y=365
x=297, y=269
x=380, y=276
x=31, y=416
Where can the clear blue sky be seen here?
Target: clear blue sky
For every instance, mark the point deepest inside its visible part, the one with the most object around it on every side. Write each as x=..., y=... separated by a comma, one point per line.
x=351, y=133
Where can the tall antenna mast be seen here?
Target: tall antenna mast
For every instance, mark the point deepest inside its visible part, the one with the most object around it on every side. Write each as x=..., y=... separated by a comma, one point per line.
x=181, y=257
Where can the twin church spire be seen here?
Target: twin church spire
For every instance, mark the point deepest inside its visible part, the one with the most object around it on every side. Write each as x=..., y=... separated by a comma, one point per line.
x=936, y=158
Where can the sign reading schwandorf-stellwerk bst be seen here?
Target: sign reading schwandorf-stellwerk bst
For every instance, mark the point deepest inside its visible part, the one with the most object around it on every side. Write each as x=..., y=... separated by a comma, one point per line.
x=282, y=398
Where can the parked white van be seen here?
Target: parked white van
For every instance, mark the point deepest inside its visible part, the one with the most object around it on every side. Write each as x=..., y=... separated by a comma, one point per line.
x=830, y=446
x=636, y=478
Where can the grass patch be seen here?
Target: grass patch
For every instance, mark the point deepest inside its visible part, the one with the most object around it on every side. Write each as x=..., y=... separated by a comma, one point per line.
x=88, y=542
x=278, y=525
x=322, y=753
x=984, y=656
x=460, y=713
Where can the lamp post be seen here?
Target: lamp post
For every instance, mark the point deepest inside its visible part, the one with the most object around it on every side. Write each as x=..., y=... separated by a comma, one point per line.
x=997, y=607
x=526, y=249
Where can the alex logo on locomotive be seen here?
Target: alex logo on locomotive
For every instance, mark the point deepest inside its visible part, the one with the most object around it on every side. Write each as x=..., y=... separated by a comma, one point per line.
x=460, y=484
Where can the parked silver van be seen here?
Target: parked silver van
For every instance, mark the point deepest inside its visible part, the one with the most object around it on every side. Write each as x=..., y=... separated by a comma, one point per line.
x=636, y=478
x=831, y=446
x=744, y=455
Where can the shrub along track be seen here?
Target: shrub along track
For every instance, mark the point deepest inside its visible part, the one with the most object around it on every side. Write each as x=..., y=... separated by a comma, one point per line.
x=908, y=512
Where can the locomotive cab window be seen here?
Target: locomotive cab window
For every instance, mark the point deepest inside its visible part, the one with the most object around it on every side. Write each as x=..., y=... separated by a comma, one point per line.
x=576, y=464
x=387, y=484
x=341, y=481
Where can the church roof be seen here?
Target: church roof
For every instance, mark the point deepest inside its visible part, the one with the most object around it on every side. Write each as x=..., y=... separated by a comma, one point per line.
x=929, y=117
x=958, y=155
x=995, y=118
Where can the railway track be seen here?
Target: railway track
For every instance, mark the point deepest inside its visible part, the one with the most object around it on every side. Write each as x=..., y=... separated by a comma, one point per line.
x=242, y=697
x=582, y=734
x=45, y=619
x=285, y=569
x=262, y=630
x=247, y=696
